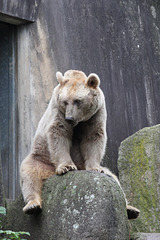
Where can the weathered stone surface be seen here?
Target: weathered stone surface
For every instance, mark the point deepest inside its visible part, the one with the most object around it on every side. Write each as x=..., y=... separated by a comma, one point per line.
x=78, y=205
x=139, y=168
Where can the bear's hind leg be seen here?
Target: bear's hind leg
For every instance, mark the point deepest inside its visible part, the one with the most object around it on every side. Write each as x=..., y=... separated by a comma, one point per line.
x=32, y=174
x=132, y=212
x=33, y=206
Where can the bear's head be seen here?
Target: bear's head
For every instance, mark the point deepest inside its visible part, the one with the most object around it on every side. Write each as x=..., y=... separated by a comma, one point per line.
x=79, y=97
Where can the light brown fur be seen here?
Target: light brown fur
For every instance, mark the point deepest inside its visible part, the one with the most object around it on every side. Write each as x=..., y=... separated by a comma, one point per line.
x=71, y=135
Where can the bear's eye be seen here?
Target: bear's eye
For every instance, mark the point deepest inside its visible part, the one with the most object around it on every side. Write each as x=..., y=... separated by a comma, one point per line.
x=77, y=102
x=65, y=103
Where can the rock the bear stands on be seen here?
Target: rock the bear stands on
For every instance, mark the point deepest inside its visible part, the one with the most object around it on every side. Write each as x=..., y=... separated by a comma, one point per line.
x=71, y=135
x=79, y=205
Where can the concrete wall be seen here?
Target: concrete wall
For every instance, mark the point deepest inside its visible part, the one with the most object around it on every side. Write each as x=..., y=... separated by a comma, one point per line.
x=118, y=40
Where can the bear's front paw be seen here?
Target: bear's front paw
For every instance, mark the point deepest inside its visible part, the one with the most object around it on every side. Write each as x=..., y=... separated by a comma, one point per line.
x=95, y=168
x=61, y=169
x=32, y=207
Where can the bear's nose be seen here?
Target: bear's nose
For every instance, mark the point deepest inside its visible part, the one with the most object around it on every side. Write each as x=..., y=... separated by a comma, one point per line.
x=70, y=120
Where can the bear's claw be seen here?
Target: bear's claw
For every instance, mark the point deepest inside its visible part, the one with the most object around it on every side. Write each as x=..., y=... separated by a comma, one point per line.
x=64, y=169
x=32, y=207
x=96, y=169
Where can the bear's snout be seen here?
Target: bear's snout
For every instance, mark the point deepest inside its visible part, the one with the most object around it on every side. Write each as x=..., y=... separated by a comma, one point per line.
x=70, y=120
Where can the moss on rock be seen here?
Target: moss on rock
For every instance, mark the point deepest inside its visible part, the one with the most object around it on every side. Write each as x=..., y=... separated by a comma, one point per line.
x=139, y=172
x=78, y=205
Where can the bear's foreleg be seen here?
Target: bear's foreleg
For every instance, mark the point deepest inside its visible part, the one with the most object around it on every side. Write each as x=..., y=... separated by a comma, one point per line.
x=93, y=148
x=59, y=144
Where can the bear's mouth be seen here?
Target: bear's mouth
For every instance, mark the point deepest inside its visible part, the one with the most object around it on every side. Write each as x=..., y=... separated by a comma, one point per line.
x=74, y=124
x=71, y=121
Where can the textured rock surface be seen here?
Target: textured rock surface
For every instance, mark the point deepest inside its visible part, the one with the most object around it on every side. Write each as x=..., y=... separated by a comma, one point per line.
x=139, y=168
x=78, y=205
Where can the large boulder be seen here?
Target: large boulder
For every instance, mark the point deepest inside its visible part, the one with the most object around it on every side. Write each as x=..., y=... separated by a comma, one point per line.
x=78, y=205
x=139, y=173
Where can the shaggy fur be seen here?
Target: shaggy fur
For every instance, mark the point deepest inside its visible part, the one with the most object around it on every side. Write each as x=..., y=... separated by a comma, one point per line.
x=71, y=135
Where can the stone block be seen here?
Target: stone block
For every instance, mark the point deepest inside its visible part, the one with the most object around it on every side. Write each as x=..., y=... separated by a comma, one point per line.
x=78, y=205
x=139, y=173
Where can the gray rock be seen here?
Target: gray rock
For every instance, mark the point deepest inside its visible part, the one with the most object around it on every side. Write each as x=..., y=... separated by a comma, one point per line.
x=150, y=236
x=139, y=173
x=78, y=205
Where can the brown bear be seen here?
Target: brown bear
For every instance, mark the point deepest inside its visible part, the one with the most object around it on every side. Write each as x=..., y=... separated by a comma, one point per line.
x=71, y=135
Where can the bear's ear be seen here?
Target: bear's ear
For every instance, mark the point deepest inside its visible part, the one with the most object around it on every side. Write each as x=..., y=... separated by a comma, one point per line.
x=59, y=77
x=93, y=80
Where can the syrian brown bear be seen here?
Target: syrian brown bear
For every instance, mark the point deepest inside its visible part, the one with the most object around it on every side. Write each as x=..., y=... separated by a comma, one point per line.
x=71, y=135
